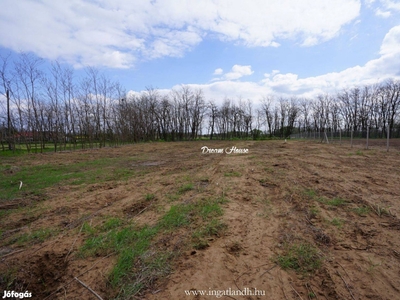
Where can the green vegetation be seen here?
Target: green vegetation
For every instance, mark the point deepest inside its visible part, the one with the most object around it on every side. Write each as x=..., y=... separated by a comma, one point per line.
x=8, y=278
x=37, y=236
x=112, y=223
x=177, y=216
x=149, y=197
x=182, y=214
x=172, y=197
x=313, y=212
x=334, y=202
x=312, y=194
x=36, y=178
x=128, y=242
x=303, y=258
x=185, y=188
x=337, y=222
x=139, y=263
x=362, y=211
x=232, y=174
x=213, y=228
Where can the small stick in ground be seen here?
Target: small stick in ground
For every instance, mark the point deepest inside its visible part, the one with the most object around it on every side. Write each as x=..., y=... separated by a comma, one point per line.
x=308, y=286
x=343, y=269
x=346, y=285
x=11, y=253
x=295, y=291
x=234, y=280
x=282, y=286
x=89, y=289
x=66, y=256
x=267, y=271
x=87, y=270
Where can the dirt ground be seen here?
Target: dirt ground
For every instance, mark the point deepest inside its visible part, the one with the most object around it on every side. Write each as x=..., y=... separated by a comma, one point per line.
x=278, y=194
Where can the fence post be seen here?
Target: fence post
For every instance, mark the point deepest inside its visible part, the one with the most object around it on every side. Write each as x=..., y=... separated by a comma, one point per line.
x=351, y=137
x=340, y=136
x=326, y=137
x=367, y=136
x=387, y=141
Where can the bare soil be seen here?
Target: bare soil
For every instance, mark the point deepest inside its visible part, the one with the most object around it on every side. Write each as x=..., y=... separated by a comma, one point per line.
x=278, y=194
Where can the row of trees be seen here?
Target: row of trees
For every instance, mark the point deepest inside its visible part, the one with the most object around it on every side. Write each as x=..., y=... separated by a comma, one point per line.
x=57, y=107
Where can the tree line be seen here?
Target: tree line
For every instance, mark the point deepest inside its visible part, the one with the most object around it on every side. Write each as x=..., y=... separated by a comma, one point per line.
x=53, y=106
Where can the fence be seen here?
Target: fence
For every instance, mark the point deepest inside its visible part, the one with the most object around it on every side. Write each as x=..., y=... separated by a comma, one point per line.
x=366, y=139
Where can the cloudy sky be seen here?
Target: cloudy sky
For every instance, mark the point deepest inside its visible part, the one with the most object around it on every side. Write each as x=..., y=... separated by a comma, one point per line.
x=229, y=48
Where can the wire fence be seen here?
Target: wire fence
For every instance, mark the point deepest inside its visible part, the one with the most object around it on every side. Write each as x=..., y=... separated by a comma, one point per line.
x=361, y=139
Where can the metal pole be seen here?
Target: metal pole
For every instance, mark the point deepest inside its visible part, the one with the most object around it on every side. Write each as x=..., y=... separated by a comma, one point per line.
x=367, y=136
x=8, y=120
x=387, y=141
x=352, y=137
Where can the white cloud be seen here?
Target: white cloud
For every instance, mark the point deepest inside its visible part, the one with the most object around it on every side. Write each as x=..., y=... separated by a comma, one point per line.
x=385, y=8
x=389, y=4
x=275, y=44
x=238, y=71
x=384, y=67
x=391, y=42
x=118, y=33
x=218, y=71
x=289, y=84
x=383, y=14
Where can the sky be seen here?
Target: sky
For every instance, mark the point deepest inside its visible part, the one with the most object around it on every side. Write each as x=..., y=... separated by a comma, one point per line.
x=228, y=48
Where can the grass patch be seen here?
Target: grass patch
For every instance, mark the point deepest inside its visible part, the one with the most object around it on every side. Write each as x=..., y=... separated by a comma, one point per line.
x=209, y=209
x=199, y=237
x=185, y=188
x=149, y=197
x=303, y=258
x=112, y=223
x=37, y=236
x=148, y=268
x=138, y=264
x=337, y=222
x=88, y=229
x=362, y=211
x=172, y=197
x=177, y=216
x=313, y=212
x=8, y=278
x=335, y=202
x=134, y=244
x=310, y=193
x=36, y=178
x=232, y=174
x=358, y=152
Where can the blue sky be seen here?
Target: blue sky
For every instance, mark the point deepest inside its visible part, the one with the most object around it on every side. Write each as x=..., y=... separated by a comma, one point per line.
x=246, y=49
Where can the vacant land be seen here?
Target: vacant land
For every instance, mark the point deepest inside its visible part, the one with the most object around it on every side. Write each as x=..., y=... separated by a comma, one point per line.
x=295, y=220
